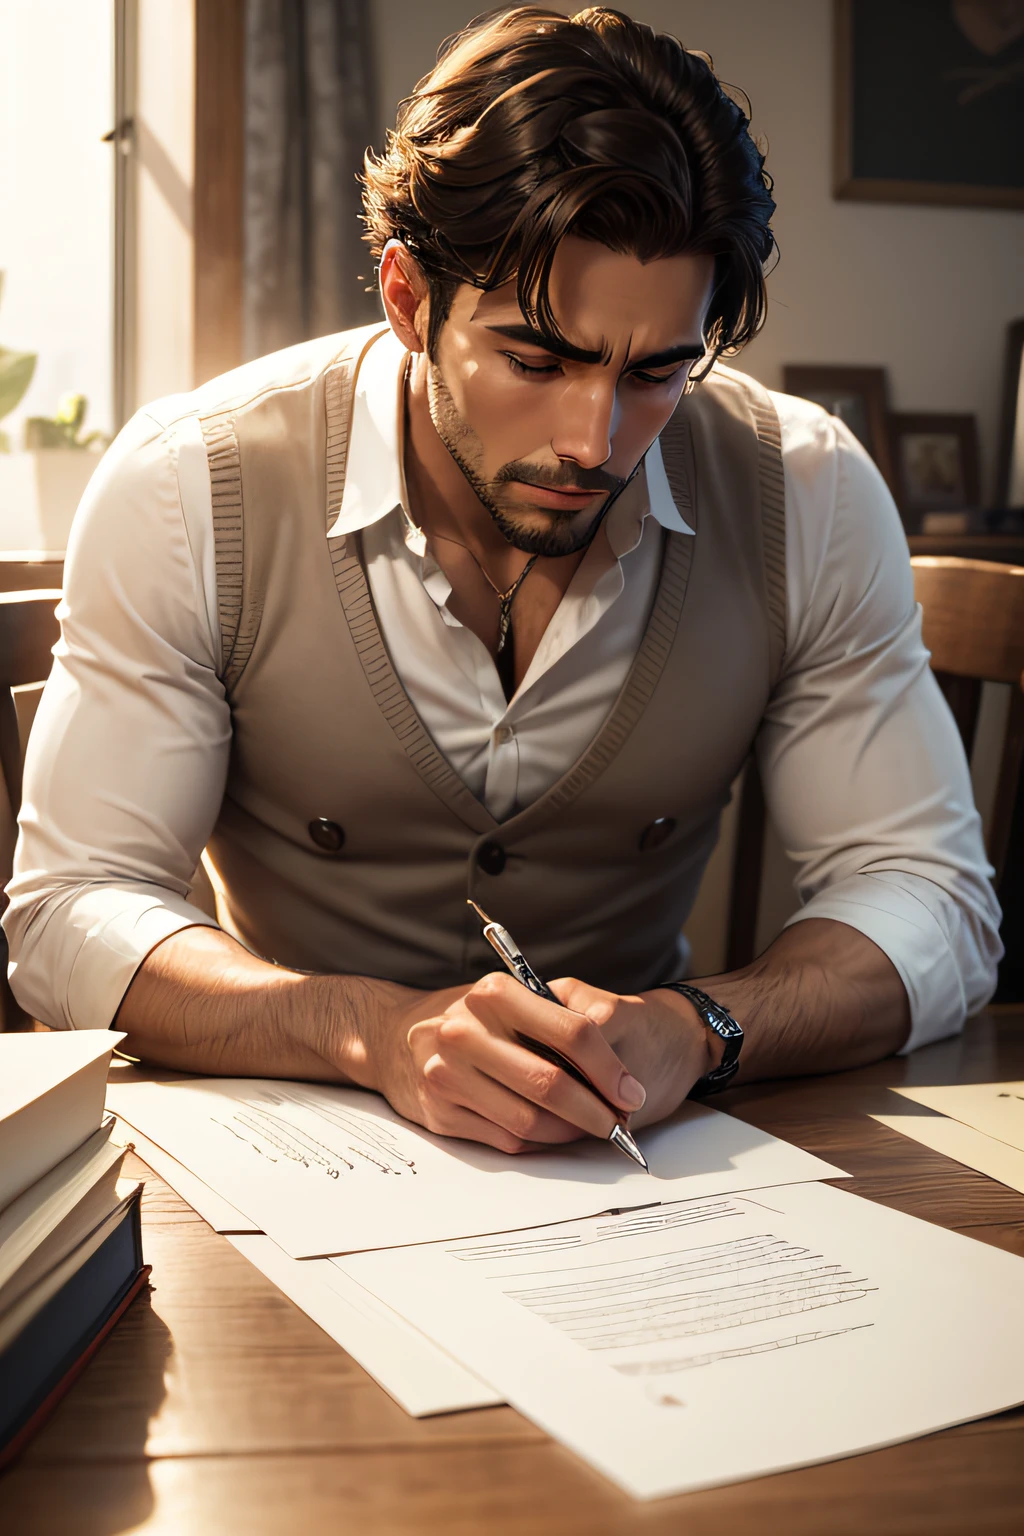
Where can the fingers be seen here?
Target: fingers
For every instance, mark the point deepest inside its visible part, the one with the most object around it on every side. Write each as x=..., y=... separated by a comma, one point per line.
x=464, y=1125
x=505, y=1006
x=462, y=1084
x=540, y=1088
x=530, y=1097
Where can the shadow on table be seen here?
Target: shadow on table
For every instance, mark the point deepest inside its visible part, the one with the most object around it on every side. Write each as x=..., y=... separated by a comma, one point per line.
x=86, y=1470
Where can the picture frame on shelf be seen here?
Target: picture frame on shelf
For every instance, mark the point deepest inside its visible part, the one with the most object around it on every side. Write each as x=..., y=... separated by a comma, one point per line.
x=858, y=396
x=936, y=469
x=928, y=104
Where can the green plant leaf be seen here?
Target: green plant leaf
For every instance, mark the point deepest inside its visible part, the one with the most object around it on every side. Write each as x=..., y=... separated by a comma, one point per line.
x=16, y=370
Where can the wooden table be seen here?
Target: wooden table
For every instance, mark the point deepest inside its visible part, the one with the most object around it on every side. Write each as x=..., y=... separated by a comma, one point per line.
x=217, y=1406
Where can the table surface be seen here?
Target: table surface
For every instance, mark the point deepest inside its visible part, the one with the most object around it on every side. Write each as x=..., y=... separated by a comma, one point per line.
x=217, y=1406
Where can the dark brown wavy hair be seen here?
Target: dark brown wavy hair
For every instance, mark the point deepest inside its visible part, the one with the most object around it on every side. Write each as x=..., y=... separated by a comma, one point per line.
x=534, y=124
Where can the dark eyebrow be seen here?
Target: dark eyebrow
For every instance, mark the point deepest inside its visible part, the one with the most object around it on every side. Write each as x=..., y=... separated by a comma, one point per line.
x=531, y=338
x=687, y=352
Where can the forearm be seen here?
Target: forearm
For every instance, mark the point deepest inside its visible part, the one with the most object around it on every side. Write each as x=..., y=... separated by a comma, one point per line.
x=821, y=998
x=201, y=1002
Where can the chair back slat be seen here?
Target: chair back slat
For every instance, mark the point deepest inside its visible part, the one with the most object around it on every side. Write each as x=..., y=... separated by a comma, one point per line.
x=972, y=621
x=973, y=625
x=973, y=616
x=963, y=695
x=29, y=629
x=1008, y=785
x=28, y=632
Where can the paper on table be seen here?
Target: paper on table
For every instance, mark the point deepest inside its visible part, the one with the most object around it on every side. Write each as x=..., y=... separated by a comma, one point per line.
x=416, y=1372
x=221, y=1216
x=327, y=1170
x=995, y=1109
x=718, y=1340
x=422, y=1377
x=962, y=1143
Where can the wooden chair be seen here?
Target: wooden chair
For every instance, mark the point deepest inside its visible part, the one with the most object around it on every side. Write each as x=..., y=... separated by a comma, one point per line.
x=973, y=625
x=28, y=632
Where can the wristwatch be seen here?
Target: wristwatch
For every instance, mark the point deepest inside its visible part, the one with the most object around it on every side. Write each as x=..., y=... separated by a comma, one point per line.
x=724, y=1026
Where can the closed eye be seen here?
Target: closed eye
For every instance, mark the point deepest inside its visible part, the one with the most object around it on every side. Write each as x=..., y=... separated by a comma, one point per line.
x=542, y=369
x=661, y=378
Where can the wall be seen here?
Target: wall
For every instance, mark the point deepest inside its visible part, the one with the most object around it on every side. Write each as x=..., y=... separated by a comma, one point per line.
x=926, y=291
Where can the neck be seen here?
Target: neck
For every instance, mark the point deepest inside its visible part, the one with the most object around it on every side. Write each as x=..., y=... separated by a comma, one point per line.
x=442, y=501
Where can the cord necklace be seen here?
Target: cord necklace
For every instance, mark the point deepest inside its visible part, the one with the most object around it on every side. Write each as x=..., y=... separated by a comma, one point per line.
x=506, y=598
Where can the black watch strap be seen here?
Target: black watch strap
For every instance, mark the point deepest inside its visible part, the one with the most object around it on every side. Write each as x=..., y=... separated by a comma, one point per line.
x=724, y=1026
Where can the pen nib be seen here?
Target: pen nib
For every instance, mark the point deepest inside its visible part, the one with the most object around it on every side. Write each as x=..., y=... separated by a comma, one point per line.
x=621, y=1138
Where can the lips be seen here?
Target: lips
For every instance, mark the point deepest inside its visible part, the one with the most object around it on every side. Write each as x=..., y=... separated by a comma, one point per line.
x=560, y=500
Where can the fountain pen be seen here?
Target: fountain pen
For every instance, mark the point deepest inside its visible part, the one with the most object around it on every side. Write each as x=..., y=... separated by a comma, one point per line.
x=505, y=946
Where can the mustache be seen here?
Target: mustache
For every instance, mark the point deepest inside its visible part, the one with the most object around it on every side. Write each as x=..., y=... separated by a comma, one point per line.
x=567, y=477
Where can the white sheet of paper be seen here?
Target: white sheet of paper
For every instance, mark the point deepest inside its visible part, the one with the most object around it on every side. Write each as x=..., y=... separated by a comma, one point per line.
x=417, y=1373
x=995, y=1109
x=962, y=1143
x=212, y=1207
x=421, y=1377
x=726, y=1338
x=326, y=1170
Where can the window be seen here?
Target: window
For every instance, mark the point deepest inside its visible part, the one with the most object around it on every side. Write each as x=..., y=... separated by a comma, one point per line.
x=57, y=256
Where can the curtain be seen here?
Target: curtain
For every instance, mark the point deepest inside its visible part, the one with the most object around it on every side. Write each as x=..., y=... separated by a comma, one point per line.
x=310, y=112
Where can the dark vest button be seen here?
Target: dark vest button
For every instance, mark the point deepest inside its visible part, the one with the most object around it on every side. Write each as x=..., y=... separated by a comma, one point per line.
x=491, y=858
x=657, y=833
x=327, y=835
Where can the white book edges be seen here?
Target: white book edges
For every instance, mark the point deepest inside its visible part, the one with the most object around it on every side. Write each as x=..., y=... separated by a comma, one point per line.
x=55, y=1238
x=30, y=1219
x=25, y=1309
x=51, y=1100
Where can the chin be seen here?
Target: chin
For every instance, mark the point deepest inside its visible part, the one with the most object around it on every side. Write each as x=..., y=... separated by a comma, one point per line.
x=539, y=531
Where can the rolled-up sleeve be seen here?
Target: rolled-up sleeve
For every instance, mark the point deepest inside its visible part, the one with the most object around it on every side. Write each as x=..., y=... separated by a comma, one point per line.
x=864, y=770
x=127, y=758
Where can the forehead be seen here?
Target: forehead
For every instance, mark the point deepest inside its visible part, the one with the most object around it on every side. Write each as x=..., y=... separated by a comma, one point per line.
x=606, y=301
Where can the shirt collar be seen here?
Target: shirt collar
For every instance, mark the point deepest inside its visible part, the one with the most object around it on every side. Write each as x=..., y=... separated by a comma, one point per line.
x=373, y=474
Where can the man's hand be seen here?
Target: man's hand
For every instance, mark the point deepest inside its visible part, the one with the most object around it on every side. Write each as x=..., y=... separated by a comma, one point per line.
x=451, y=1061
x=448, y=1060
x=657, y=1035
x=823, y=997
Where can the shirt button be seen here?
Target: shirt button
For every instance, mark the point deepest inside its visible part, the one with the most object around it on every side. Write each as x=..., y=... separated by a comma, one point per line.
x=491, y=858
x=503, y=735
x=657, y=833
x=327, y=835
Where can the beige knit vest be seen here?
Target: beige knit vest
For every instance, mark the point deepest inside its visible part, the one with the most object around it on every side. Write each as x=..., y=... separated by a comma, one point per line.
x=597, y=877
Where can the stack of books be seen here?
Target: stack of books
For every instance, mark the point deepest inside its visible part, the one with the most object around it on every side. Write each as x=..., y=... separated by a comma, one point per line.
x=70, y=1242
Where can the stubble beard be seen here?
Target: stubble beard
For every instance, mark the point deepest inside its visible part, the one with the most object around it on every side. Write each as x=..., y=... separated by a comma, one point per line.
x=561, y=537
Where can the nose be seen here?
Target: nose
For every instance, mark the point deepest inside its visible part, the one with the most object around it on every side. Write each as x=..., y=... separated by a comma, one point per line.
x=586, y=421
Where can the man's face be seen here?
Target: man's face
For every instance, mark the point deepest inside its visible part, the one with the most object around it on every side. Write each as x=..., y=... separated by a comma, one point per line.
x=546, y=439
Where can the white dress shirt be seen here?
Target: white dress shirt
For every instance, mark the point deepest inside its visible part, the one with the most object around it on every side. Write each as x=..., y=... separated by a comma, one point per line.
x=864, y=773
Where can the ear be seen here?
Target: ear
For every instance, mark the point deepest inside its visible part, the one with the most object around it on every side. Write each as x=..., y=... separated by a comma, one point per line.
x=405, y=295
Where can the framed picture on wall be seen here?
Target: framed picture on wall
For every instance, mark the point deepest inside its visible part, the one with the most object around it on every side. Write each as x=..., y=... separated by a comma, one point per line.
x=929, y=101
x=858, y=396
x=935, y=460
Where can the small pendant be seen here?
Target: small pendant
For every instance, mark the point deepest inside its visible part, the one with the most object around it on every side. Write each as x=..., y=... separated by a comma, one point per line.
x=504, y=623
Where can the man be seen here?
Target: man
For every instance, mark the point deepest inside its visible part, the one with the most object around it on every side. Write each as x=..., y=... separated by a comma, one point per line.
x=492, y=603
